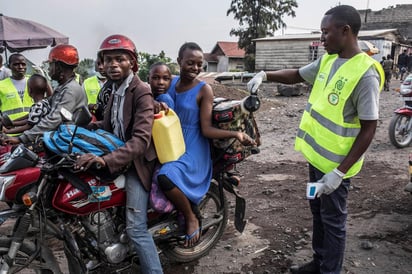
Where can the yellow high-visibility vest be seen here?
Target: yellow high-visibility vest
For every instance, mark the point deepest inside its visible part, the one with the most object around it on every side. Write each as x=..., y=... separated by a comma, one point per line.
x=11, y=104
x=91, y=87
x=324, y=138
x=77, y=78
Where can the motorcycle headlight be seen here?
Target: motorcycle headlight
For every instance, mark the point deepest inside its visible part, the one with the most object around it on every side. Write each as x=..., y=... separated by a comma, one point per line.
x=5, y=181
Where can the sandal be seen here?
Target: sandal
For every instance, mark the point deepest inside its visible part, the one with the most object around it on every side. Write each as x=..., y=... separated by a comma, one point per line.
x=194, y=234
x=198, y=231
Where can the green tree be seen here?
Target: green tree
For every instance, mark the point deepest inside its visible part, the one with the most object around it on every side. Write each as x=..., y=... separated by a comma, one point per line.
x=145, y=60
x=257, y=19
x=85, y=68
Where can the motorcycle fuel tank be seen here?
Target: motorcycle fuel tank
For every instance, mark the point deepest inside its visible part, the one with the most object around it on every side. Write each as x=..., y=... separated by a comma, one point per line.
x=71, y=200
x=22, y=178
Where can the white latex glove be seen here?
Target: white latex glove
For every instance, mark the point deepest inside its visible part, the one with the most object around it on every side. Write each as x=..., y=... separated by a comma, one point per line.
x=255, y=82
x=330, y=182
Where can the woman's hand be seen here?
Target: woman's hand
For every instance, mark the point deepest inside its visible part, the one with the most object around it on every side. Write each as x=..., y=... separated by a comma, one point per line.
x=245, y=139
x=85, y=161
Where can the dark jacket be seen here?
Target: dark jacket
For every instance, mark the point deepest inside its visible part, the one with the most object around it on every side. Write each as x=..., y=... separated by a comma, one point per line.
x=138, y=121
x=103, y=99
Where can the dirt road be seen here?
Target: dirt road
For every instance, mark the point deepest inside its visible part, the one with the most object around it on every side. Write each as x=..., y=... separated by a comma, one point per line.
x=278, y=231
x=279, y=221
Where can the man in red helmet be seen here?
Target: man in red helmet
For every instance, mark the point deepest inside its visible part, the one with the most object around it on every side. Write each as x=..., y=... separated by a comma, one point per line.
x=129, y=115
x=68, y=94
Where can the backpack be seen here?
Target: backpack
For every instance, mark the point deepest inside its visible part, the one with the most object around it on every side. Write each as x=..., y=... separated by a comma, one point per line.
x=98, y=142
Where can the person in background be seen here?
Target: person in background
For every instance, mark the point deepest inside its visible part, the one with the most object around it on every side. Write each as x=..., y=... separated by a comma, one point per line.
x=387, y=68
x=409, y=62
x=402, y=64
x=129, y=115
x=337, y=126
x=14, y=97
x=160, y=79
x=68, y=94
x=92, y=85
x=186, y=180
x=102, y=100
x=383, y=60
x=102, y=97
x=37, y=87
x=4, y=71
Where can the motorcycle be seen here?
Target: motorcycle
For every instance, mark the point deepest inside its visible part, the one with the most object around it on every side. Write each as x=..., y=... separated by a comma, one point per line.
x=51, y=200
x=400, y=127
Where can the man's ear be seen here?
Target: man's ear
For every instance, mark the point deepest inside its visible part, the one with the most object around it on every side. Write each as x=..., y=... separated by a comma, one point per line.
x=346, y=29
x=134, y=63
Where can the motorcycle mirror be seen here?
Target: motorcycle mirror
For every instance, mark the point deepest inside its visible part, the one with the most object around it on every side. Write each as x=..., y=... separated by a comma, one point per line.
x=82, y=116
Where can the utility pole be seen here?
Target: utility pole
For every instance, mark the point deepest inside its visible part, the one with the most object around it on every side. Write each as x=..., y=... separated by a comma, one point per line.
x=366, y=11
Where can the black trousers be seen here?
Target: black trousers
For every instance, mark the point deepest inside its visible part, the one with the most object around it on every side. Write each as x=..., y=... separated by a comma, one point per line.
x=329, y=225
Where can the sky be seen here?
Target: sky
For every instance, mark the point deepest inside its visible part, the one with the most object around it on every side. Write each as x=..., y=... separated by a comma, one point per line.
x=156, y=25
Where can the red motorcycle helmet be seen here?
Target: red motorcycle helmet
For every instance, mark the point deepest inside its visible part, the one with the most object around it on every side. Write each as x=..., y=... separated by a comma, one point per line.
x=64, y=53
x=118, y=41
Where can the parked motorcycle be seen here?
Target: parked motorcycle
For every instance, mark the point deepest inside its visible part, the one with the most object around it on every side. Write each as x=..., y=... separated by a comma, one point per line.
x=400, y=127
x=51, y=200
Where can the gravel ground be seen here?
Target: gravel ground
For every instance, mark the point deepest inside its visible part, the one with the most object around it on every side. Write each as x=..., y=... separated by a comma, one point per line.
x=278, y=232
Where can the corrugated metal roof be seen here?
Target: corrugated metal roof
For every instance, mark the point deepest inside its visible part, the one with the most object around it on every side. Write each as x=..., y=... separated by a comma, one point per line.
x=305, y=36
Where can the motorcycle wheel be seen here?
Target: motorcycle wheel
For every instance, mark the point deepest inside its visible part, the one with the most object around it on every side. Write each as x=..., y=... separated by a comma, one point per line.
x=38, y=265
x=399, y=135
x=210, y=210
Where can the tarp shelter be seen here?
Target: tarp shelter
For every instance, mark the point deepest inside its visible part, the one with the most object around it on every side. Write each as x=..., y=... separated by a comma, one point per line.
x=17, y=35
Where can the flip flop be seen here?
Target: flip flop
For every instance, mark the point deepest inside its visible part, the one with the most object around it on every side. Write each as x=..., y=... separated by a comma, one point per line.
x=191, y=236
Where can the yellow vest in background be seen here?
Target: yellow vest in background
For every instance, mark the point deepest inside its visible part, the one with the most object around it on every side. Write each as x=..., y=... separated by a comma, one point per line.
x=324, y=138
x=91, y=87
x=11, y=104
x=77, y=78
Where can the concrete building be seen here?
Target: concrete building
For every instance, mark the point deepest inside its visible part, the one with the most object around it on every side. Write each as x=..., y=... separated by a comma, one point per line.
x=394, y=17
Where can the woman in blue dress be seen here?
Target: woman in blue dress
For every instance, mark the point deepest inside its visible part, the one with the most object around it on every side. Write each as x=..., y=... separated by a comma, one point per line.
x=187, y=180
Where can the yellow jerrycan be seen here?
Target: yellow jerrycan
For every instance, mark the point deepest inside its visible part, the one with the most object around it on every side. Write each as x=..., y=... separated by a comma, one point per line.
x=167, y=136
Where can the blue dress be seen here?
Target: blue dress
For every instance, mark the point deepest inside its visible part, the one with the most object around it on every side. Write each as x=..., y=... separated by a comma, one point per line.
x=192, y=172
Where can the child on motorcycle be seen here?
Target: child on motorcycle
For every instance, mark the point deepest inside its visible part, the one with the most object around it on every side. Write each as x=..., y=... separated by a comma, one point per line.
x=160, y=79
x=38, y=87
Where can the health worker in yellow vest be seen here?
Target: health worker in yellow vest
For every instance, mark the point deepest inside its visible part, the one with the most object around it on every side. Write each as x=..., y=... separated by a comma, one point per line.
x=337, y=126
x=92, y=85
x=14, y=97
